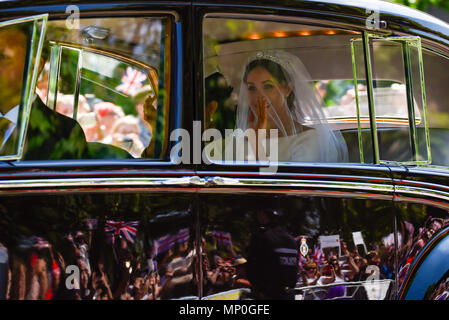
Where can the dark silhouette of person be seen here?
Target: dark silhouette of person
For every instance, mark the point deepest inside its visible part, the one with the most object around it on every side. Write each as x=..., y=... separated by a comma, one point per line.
x=272, y=266
x=217, y=92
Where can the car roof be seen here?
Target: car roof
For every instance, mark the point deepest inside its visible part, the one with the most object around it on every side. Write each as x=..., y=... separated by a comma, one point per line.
x=398, y=17
x=382, y=6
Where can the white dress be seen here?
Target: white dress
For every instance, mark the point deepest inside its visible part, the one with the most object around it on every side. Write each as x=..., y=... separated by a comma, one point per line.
x=304, y=147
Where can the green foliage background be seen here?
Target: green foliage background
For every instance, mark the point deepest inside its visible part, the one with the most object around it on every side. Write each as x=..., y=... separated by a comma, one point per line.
x=424, y=4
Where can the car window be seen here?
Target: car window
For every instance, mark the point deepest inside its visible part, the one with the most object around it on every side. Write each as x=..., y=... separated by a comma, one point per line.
x=311, y=104
x=111, y=78
x=306, y=59
x=437, y=103
x=20, y=47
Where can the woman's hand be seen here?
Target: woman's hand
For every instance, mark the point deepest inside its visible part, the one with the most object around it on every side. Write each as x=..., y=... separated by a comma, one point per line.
x=262, y=115
x=260, y=109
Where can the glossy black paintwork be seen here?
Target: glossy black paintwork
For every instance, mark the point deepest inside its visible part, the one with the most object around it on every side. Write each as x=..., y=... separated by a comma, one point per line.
x=436, y=178
x=428, y=269
x=346, y=13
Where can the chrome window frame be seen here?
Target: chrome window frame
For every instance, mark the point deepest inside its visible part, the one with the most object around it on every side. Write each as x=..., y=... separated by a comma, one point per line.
x=430, y=47
x=31, y=80
x=406, y=42
x=56, y=60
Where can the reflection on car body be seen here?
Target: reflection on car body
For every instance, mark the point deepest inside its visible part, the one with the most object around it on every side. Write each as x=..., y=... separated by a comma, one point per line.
x=99, y=203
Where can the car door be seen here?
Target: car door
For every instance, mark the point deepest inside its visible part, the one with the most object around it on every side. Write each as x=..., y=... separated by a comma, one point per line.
x=79, y=225
x=377, y=117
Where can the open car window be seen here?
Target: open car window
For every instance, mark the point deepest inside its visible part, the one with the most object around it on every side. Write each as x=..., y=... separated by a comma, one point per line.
x=315, y=93
x=107, y=85
x=301, y=60
x=104, y=94
x=21, y=43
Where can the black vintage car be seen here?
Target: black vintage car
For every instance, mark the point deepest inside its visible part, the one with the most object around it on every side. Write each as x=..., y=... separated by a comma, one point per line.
x=223, y=150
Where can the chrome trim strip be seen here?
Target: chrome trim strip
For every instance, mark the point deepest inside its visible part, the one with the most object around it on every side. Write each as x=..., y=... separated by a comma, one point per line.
x=212, y=184
x=195, y=181
x=421, y=184
x=25, y=19
x=291, y=175
x=312, y=183
x=215, y=184
x=422, y=192
x=404, y=189
x=94, y=182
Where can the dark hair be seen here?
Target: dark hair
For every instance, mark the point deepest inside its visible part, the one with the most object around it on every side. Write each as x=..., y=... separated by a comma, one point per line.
x=216, y=88
x=272, y=67
x=275, y=70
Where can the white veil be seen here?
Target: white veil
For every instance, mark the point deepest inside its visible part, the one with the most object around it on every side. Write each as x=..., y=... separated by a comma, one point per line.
x=303, y=110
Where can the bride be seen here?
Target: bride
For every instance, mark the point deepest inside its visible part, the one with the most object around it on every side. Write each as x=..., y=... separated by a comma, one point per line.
x=276, y=93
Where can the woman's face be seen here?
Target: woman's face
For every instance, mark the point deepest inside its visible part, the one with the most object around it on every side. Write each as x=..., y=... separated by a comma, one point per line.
x=261, y=83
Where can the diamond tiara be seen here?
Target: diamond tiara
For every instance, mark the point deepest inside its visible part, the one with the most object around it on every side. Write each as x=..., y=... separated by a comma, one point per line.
x=267, y=55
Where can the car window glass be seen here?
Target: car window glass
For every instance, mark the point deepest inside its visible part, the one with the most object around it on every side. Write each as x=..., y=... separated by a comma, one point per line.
x=111, y=76
x=312, y=62
x=437, y=103
x=301, y=60
x=20, y=46
x=311, y=104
